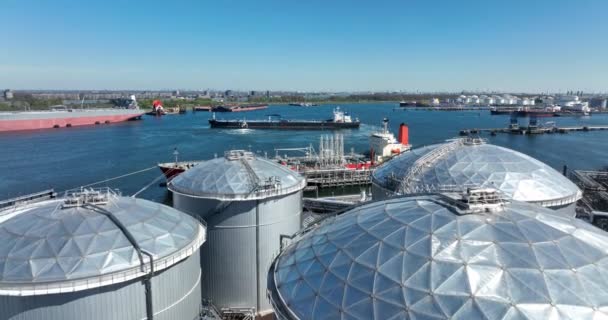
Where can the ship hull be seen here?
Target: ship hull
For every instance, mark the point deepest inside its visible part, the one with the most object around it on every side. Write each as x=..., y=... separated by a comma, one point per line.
x=37, y=121
x=173, y=169
x=284, y=125
x=171, y=173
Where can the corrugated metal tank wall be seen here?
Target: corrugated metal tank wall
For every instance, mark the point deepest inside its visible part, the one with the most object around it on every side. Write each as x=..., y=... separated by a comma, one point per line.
x=567, y=210
x=176, y=295
x=228, y=258
x=379, y=193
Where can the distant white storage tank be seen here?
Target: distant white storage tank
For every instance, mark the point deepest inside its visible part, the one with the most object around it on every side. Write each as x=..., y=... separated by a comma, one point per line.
x=247, y=203
x=430, y=257
x=97, y=255
x=466, y=163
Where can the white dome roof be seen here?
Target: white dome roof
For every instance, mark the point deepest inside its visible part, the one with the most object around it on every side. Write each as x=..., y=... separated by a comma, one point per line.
x=48, y=246
x=424, y=257
x=235, y=176
x=466, y=163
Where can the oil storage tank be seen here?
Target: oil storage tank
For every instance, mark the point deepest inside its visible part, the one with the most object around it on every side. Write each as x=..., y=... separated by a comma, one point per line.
x=97, y=255
x=437, y=256
x=471, y=162
x=247, y=203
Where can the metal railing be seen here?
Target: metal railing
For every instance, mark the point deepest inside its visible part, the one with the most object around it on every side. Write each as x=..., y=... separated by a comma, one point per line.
x=424, y=162
x=82, y=196
x=28, y=198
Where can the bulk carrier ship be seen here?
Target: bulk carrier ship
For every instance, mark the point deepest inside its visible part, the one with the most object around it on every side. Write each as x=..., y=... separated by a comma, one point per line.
x=341, y=120
x=62, y=116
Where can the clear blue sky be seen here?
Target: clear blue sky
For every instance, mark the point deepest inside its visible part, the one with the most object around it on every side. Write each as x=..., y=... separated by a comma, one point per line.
x=510, y=45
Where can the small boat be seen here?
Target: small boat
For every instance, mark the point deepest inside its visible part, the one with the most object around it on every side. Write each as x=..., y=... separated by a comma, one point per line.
x=157, y=109
x=303, y=104
x=404, y=103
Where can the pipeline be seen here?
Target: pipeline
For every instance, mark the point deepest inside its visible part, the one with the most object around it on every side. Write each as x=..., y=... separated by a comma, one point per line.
x=147, y=186
x=114, y=178
x=140, y=253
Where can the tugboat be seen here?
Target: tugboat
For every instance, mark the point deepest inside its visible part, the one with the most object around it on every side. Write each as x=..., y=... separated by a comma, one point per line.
x=341, y=120
x=157, y=109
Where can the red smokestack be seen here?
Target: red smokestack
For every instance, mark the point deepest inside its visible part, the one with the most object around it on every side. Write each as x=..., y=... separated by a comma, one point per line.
x=404, y=134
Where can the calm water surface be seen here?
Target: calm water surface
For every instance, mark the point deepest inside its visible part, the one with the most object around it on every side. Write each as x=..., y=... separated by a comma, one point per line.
x=70, y=157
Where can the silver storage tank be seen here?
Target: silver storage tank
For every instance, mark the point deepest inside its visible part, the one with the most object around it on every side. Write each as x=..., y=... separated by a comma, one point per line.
x=247, y=204
x=464, y=163
x=90, y=256
x=440, y=256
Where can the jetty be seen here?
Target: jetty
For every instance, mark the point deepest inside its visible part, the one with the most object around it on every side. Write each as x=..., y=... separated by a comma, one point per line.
x=531, y=130
x=533, y=127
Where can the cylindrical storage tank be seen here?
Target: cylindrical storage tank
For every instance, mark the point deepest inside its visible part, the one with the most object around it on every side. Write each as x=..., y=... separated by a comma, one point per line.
x=464, y=163
x=247, y=204
x=90, y=256
x=435, y=256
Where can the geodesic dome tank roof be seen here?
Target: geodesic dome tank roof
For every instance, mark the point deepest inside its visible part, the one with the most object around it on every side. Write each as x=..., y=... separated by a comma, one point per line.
x=50, y=248
x=461, y=164
x=239, y=175
x=421, y=257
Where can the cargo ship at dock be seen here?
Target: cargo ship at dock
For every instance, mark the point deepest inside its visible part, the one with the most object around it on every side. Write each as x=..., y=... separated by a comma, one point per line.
x=62, y=117
x=341, y=120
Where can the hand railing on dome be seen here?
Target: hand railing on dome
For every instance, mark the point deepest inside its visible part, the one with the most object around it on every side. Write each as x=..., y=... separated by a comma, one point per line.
x=473, y=141
x=424, y=162
x=82, y=196
x=238, y=154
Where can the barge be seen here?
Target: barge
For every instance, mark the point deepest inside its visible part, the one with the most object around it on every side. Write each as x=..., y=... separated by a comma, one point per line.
x=60, y=117
x=341, y=120
x=242, y=108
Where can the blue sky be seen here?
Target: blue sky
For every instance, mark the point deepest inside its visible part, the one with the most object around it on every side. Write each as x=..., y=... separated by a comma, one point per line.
x=509, y=45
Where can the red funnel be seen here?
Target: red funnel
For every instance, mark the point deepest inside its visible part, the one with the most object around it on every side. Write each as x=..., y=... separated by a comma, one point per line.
x=404, y=134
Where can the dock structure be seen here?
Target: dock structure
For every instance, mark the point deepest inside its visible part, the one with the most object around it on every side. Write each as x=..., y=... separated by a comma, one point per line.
x=594, y=204
x=531, y=130
x=317, y=207
x=330, y=166
x=337, y=177
x=439, y=108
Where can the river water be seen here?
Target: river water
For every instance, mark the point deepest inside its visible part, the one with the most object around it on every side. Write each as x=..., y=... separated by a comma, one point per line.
x=70, y=157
